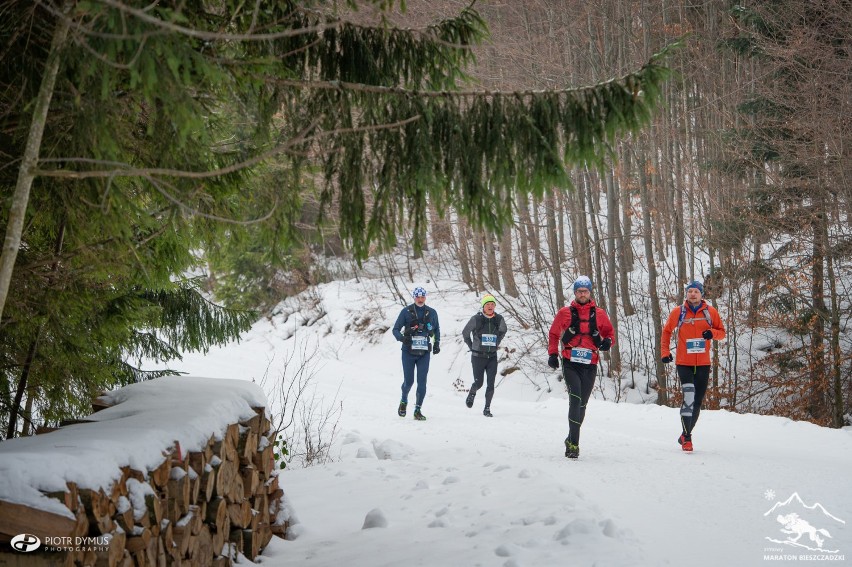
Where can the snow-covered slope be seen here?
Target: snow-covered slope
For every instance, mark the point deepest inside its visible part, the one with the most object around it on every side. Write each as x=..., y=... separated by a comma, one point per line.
x=462, y=489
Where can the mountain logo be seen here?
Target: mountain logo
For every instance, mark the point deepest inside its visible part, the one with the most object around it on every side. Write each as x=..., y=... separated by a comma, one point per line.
x=805, y=526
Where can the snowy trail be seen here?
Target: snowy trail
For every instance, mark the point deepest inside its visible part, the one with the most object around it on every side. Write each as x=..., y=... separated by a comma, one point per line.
x=462, y=489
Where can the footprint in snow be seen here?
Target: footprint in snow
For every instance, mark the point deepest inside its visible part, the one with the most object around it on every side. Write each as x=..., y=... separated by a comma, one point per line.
x=351, y=438
x=392, y=450
x=375, y=519
x=506, y=550
x=580, y=526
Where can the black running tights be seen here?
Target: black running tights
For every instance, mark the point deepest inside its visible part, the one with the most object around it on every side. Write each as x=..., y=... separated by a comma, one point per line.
x=580, y=379
x=693, y=383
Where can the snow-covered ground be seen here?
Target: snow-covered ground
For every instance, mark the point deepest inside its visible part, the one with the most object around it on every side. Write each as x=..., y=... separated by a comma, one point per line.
x=463, y=489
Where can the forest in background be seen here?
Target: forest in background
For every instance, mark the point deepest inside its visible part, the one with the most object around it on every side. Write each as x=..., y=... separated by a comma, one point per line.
x=742, y=180
x=738, y=178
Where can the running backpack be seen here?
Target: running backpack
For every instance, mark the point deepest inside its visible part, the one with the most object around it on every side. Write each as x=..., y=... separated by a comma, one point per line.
x=421, y=324
x=575, y=316
x=683, y=316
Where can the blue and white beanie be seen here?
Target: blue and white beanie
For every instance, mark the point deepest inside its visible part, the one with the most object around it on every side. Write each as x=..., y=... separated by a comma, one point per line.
x=418, y=292
x=583, y=281
x=697, y=285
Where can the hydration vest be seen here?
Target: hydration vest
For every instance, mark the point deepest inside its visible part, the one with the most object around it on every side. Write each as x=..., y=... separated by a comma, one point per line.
x=575, y=316
x=683, y=316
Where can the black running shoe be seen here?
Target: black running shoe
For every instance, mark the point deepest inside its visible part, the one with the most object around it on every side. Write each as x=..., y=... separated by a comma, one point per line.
x=401, y=410
x=419, y=416
x=469, y=401
x=572, y=451
x=487, y=412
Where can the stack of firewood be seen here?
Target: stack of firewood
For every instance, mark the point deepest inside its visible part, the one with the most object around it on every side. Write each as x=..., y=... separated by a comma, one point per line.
x=196, y=508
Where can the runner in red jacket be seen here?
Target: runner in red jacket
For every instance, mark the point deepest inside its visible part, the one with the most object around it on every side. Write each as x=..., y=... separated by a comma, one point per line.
x=584, y=329
x=697, y=324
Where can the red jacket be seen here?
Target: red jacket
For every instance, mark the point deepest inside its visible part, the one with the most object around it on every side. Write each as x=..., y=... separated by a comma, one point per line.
x=694, y=324
x=582, y=339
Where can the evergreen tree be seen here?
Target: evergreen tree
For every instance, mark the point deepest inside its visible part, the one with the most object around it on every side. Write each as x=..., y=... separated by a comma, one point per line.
x=145, y=133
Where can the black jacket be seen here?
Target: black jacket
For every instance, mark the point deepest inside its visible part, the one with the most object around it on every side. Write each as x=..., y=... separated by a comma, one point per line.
x=480, y=325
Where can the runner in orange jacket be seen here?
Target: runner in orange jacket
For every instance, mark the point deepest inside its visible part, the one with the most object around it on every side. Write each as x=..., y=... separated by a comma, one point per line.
x=697, y=324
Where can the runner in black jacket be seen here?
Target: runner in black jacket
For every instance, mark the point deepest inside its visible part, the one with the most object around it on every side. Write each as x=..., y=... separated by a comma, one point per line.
x=482, y=335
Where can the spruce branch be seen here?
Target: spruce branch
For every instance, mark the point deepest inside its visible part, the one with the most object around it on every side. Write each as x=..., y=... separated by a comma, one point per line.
x=126, y=170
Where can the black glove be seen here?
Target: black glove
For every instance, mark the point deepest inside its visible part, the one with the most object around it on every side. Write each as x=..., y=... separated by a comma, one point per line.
x=605, y=344
x=436, y=348
x=406, y=339
x=707, y=334
x=553, y=361
x=596, y=338
x=666, y=359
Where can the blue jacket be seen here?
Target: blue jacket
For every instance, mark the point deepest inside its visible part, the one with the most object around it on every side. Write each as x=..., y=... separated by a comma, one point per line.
x=426, y=320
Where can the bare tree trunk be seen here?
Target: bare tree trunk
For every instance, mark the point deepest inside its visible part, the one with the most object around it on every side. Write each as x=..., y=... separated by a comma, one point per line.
x=597, y=247
x=536, y=226
x=582, y=246
x=675, y=189
x=754, y=296
x=506, y=263
x=612, y=293
x=626, y=243
x=621, y=244
x=479, y=276
x=21, y=197
x=817, y=370
x=462, y=253
x=492, y=269
x=25, y=383
x=656, y=315
x=22, y=387
x=836, y=356
x=560, y=224
x=553, y=249
x=27, y=428
x=524, y=232
x=658, y=196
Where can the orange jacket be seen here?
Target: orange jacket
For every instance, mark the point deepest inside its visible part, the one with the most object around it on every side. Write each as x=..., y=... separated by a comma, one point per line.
x=694, y=324
x=583, y=340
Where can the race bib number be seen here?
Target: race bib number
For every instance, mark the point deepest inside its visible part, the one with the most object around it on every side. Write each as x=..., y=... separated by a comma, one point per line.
x=696, y=346
x=489, y=340
x=419, y=343
x=581, y=355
